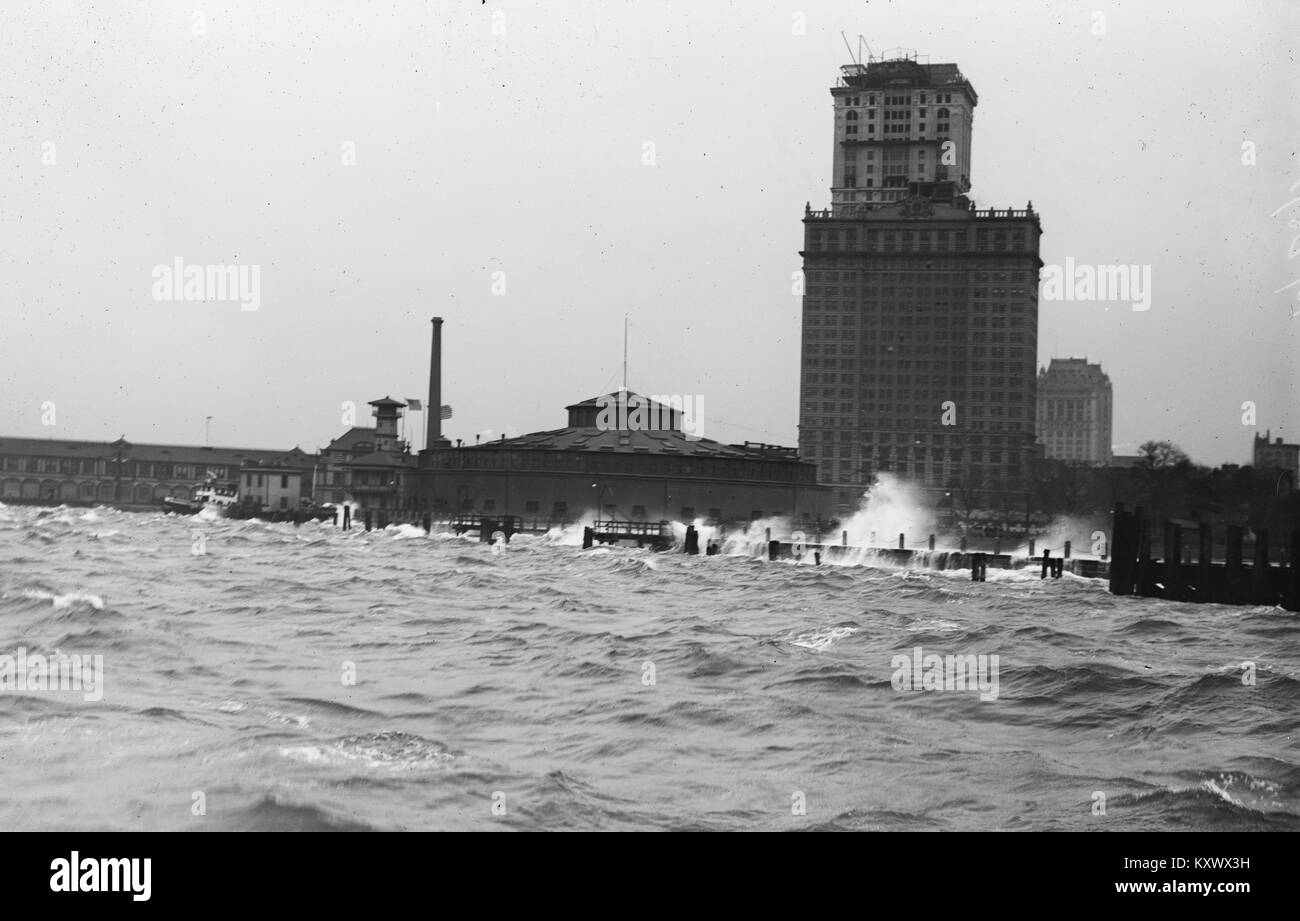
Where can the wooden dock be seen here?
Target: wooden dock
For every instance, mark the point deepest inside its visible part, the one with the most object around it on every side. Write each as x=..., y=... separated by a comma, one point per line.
x=1134, y=571
x=977, y=562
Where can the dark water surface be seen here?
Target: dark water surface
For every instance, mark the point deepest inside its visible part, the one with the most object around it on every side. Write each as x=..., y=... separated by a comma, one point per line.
x=520, y=677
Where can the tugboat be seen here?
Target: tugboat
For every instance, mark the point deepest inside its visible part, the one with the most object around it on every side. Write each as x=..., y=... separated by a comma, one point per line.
x=219, y=496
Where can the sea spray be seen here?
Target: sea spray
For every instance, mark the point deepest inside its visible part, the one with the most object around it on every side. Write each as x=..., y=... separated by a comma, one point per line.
x=753, y=540
x=1081, y=532
x=570, y=535
x=891, y=507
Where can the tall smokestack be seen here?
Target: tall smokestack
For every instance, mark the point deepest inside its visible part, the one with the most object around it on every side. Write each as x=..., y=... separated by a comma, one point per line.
x=433, y=414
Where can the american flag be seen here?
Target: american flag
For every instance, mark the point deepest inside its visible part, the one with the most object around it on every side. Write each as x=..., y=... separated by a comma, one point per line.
x=414, y=406
x=446, y=411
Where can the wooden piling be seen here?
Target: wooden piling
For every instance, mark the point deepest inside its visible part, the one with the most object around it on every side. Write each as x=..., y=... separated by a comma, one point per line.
x=1123, y=551
x=367, y=519
x=1232, y=571
x=844, y=538
x=1031, y=548
x=931, y=543
x=692, y=543
x=1262, y=574
x=1145, y=574
x=900, y=541
x=1065, y=554
x=773, y=549
x=1204, y=561
x=1173, y=561
x=1047, y=562
x=1291, y=600
x=588, y=538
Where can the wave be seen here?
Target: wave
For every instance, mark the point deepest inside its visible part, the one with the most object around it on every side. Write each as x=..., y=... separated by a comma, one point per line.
x=389, y=750
x=67, y=600
x=331, y=707
x=273, y=812
x=1212, y=802
x=1083, y=682
x=820, y=640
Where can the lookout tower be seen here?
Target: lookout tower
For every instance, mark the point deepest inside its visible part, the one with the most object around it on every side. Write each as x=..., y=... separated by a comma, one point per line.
x=387, y=412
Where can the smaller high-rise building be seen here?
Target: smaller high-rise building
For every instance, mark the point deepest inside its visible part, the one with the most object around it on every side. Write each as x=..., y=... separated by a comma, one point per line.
x=1273, y=454
x=1074, y=412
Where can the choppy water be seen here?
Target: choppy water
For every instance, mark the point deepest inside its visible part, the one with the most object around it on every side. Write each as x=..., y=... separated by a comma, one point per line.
x=523, y=673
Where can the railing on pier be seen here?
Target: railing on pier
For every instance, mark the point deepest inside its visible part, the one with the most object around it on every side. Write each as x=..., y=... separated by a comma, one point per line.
x=635, y=528
x=658, y=534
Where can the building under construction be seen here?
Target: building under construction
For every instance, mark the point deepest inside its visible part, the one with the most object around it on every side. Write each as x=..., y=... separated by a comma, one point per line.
x=920, y=312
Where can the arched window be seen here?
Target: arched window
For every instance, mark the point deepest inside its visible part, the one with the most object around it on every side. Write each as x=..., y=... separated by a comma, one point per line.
x=943, y=114
x=852, y=116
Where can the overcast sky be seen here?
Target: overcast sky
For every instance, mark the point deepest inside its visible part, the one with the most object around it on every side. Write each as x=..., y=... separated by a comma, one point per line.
x=509, y=138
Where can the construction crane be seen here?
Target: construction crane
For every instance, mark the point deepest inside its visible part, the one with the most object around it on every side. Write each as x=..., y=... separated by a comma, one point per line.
x=856, y=58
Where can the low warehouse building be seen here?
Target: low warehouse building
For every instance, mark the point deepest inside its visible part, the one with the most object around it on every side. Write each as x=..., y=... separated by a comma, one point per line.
x=635, y=466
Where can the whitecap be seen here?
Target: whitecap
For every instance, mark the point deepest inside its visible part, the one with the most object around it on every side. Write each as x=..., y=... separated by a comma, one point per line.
x=68, y=600
x=819, y=640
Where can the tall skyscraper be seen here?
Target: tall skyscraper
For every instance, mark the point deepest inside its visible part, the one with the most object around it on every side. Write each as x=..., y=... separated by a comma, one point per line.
x=1074, y=412
x=920, y=312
